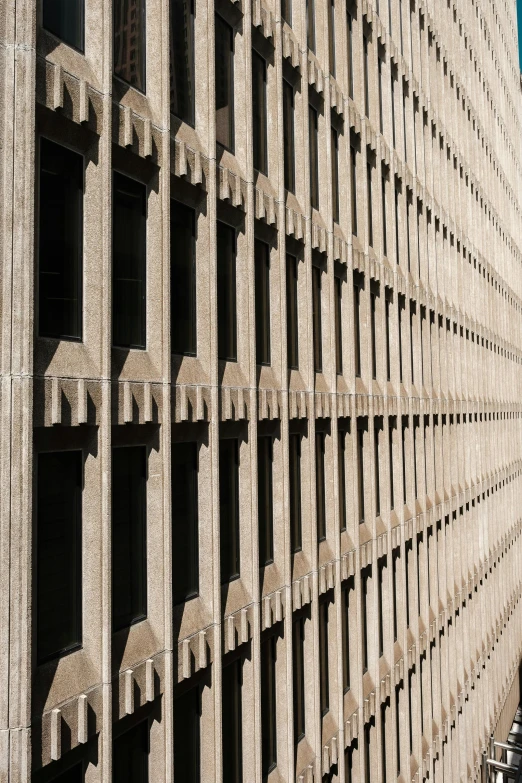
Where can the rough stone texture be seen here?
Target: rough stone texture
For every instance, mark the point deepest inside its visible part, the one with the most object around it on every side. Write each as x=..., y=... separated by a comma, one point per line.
x=454, y=261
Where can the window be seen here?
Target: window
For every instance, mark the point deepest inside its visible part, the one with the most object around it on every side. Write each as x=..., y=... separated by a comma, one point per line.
x=60, y=242
x=323, y=657
x=314, y=157
x=182, y=81
x=353, y=184
x=310, y=24
x=366, y=77
x=342, y=478
x=401, y=308
x=377, y=428
x=295, y=493
x=268, y=705
x=229, y=508
x=292, y=322
x=129, y=228
x=393, y=110
x=381, y=119
x=288, y=136
x=356, y=327
x=262, y=301
x=380, y=579
x=232, y=722
x=331, y=38
x=298, y=637
x=349, y=37
x=260, y=112
x=185, y=541
x=412, y=358
x=320, y=488
x=383, y=740
x=384, y=233
x=129, y=543
x=391, y=427
x=365, y=578
x=72, y=775
x=65, y=20
x=373, y=305
x=397, y=730
x=397, y=244
x=387, y=305
x=224, y=83
x=360, y=470
x=226, y=292
x=338, y=326
x=408, y=548
x=348, y=764
x=183, y=279
x=130, y=755
x=129, y=53
x=335, y=175
x=265, y=502
x=346, y=637
x=370, y=205
x=187, y=712
x=286, y=11
x=59, y=554
x=317, y=325
x=403, y=450
x=395, y=560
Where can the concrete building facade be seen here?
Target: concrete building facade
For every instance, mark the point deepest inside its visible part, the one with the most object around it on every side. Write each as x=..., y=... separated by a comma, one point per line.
x=260, y=408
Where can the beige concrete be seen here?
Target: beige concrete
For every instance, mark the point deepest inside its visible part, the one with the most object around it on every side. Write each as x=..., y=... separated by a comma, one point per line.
x=456, y=161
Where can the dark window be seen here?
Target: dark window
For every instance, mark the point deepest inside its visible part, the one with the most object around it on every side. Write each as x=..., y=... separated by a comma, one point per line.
x=376, y=465
x=298, y=637
x=130, y=755
x=317, y=321
x=383, y=742
x=342, y=479
x=395, y=560
x=408, y=550
x=390, y=449
x=412, y=358
x=292, y=323
x=381, y=120
x=367, y=753
x=183, y=278
x=265, y=501
x=310, y=24
x=403, y=450
x=365, y=577
x=373, y=305
x=72, y=775
x=346, y=637
x=259, y=112
x=380, y=579
x=314, y=156
x=60, y=242
x=182, y=81
x=360, y=472
x=229, y=508
x=185, y=542
x=288, y=136
x=320, y=488
x=397, y=244
x=65, y=19
x=286, y=11
x=59, y=554
x=397, y=730
x=370, y=205
x=323, y=657
x=348, y=764
x=353, y=184
x=401, y=307
x=331, y=38
x=232, y=722
x=335, y=175
x=187, y=712
x=350, y=53
x=226, y=292
x=357, y=328
x=262, y=301
x=393, y=110
x=129, y=262
x=295, y=492
x=224, y=64
x=129, y=42
x=129, y=530
x=366, y=77
x=384, y=232
x=268, y=705
x=387, y=305
x=338, y=326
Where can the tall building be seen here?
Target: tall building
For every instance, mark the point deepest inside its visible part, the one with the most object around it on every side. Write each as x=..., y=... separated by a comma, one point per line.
x=261, y=347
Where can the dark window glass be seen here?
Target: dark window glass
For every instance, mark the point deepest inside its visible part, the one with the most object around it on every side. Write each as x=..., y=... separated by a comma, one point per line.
x=381, y=120
x=265, y=501
x=187, y=712
x=229, y=508
x=401, y=307
x=295, y=492
x=380, y=578
x=65, y=19
x=268, y=705
x=346, y=638
x=390, y=448
x=342, y=479
x=384, y=232
x=224, y=83
x=226, y=292
x=335, y=175
x=314, y=156
x=286, y=11
x=60, y=242
x=353, y=184
x=383, y=742
x=350, y=53
x=360, y=472
x=397, y=244
x=408, y=246
x=356, y=328
x=298, y=635
x=185, y=542
x=232, y=722
x=183, y=278
x=129, y=42
x=370, y=204
x=348, y=764
x=387, y=306
x=367, y=753
x=262, y=301
x=73, y=775
x=320, y=488
x=395, y=560
x=130, y=755
x=338, y=326
x=373, y=335
x=182, y=81
x=288, y=136
x=310, y=24
x=407, y=550
x=129, y=530
x=365, y=576
x=331, y=38
x=397, y=730
x=59, y=554
x=323, y=657
x=366, y=78
x=377, y=477
x=412, y=360
x=259, y=112
x=292, y=324
x=415, y=482
x=393, y=110
x=129, y=230
x=317, y=325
